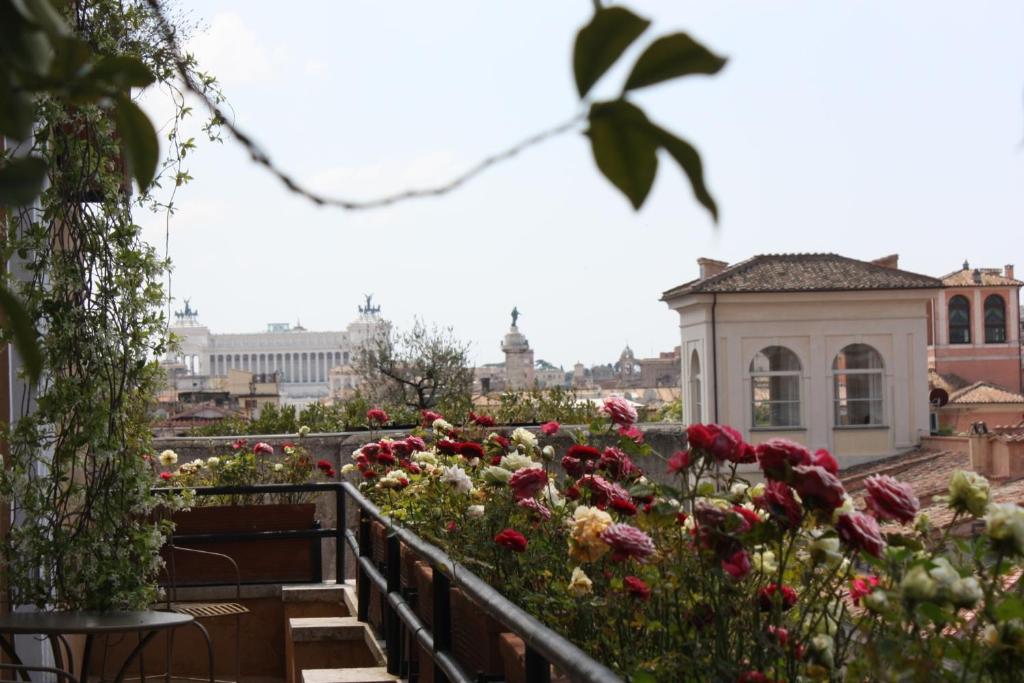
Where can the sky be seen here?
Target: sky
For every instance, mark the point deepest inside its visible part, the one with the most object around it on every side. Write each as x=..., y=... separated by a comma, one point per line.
x=861, y=128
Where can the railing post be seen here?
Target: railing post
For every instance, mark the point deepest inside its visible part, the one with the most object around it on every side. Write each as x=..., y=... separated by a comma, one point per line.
x=393, y=626
x=340, y=526
x=537, y=668
x=316, y=555
x=442, y=630
x=363, y=611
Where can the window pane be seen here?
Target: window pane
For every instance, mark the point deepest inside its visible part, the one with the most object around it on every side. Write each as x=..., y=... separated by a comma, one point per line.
x=858, y=399
x=995, y=319
x=775, y=359
x=776, y=400
x=959, y=320
x=858, y=357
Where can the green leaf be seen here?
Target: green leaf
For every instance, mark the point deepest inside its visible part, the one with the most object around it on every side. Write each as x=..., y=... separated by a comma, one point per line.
x=601, y=42
x=42, y=14
x=21, y=180
x=1010, y=608
x=689, y=160
x=17, y=321
x=642, y=677
x=670, y=57
x=122, y=72
x=624, y=148
x=141, y=148
x=16, y=110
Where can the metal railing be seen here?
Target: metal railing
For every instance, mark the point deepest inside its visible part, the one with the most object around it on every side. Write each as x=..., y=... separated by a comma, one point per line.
x=544, y=647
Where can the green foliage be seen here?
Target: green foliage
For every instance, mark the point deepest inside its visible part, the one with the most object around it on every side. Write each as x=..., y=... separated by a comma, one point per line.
x=544, y=405
x=75, y=475
x=623, y=140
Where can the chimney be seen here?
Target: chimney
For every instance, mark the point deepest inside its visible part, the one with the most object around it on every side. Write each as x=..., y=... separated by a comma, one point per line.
x=1008, y=270
x=976, y=276
x=710, y=267
x=890, y=261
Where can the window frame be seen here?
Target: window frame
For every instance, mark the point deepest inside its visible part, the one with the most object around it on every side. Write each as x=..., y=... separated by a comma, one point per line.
x=1002, y=326
x=966, y=327
x=838, y=401
x=796, y=375
x=694, y=381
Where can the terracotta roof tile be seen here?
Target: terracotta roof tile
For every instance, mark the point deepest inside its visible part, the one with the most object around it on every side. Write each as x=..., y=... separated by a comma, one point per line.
x=989, y=277
x=804, y=273
x=984, y=392
x=948, y=381
x=927, y=472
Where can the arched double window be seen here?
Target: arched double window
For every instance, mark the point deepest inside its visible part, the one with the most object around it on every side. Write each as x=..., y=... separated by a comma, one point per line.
x=857, y=374
x=995, y=319
x=775, y=385
x=695, y=403
x=959, y=320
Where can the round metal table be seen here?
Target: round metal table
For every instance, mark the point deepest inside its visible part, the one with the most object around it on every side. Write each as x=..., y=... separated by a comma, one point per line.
x=53, y=625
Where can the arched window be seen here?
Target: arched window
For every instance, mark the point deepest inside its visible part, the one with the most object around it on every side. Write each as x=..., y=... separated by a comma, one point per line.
x=857, y=372
x=695, y=404
x=775, y=383
x=995, y=319
x=959, y=320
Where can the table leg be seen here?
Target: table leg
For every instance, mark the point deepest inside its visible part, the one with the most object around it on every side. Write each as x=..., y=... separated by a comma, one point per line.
x=134, y=653
x=8, y=648
x=86, y=656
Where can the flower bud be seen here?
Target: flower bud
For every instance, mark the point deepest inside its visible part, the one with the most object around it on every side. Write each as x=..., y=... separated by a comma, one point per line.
x=966, y=592
x=1004, y=525
x=877, y=601
x=918, y=585
x=968, y=492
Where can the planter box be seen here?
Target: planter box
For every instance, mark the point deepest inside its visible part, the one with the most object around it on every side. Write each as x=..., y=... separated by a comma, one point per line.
x=475, y=638
x=288, y=560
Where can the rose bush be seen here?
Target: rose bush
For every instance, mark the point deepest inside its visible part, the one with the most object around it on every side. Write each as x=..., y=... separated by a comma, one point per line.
x=749, y=564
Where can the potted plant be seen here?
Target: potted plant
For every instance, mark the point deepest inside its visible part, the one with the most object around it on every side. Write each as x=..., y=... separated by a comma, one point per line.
x=278, y=560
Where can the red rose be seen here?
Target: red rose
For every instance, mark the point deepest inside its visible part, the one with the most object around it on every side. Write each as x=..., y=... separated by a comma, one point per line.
x=619, y=410
x=323, y=465
x=766, y=597
x=778, y=500
x=370, y=450
x=862, y=586
x=636, y=587
x=746, y=453
x=572, y=492
x=415, y=444
x=623, y=505
x=263, y=448
x=737, y=565
x=618, y=465
x=377, y=416
x=824, y=459
x=721, y=442
x=448, y=447
x=679, y=461
x=749, y=519
x=429, y=416
x=500, y=440
x=166, y=476
x=368, y=474
x=860, y=532
x=779, y=633
x=818, y=489
x=581, y=452
x=754, y=677
x=331, y=473
x=550, y=428
x=470, y=450
x=481, y=420
x=891, y=499
x=401, y=448
x=525, y=483
x=386, y=457
x=775, y=454
x=511, y=539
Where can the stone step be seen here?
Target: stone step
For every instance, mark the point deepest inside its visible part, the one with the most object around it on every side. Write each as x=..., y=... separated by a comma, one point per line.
x=374, y=674
x=327, y=643
x=315, y=600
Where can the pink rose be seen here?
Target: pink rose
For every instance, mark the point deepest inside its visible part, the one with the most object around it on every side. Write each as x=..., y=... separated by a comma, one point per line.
x=775, y=454
x=550, y=428
x=823, y=458
x=720, y=441
x=818, y=488
x=526, y=482
x=619, y=410
x=377, y=416
x=636, y=587
x=891, y=499
x=679, y=461
x=737, y=565
x=860, y=532
x=628, y=542
x=263, y=448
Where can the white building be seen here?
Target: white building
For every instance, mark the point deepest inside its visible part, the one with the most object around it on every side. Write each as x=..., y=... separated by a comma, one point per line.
x=301, y=358
x=817, y=348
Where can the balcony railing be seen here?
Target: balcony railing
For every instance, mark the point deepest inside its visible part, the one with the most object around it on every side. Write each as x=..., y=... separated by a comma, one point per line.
x=544, y=647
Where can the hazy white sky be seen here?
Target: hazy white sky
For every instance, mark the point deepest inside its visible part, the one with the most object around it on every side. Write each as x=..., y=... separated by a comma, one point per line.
x=863, y=128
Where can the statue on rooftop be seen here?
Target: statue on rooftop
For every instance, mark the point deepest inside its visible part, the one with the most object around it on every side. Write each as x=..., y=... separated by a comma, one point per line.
x=515, y=315
x=369, y=308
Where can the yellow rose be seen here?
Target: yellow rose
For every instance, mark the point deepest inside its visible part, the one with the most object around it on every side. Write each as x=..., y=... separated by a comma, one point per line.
x=580, y=584
x=585, y=544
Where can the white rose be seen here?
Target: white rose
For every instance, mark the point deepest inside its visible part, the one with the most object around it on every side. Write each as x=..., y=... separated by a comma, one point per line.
x=168, y=458
x=213, y=462
x=475, y=511
x=278, y=467
x=457, y=478
x=524, y=437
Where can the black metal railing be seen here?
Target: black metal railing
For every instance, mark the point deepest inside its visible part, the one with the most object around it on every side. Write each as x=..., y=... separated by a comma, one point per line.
x=544, y=647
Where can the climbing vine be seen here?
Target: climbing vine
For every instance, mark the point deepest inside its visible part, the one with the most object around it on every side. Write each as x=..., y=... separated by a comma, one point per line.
x=84, y=535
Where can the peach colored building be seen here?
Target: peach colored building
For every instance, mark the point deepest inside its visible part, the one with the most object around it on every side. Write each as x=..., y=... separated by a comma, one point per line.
x=817, y=348
x=974, y=328
x=980, y=402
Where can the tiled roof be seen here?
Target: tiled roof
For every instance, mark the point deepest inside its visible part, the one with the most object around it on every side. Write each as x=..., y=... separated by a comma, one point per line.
x=984, y=392
x=804, y=273
x=989, y=277
x=927, y=472
x=947, y=381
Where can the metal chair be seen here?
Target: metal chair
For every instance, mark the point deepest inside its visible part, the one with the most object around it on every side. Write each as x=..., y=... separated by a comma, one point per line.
x=204, y=610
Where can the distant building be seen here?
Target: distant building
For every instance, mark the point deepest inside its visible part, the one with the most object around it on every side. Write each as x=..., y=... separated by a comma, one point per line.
x=821, y=349
x=300, y=359
x=519, y=371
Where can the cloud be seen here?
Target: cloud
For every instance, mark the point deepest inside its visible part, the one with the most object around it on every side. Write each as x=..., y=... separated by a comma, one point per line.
x=233, y=52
